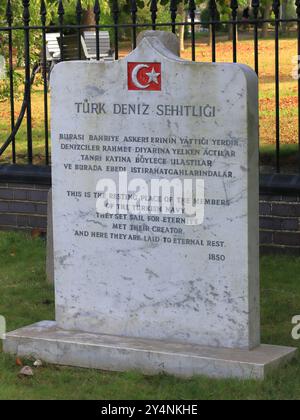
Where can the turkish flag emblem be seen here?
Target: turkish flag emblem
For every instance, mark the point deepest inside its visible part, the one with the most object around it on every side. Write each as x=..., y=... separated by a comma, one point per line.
x=144, y=76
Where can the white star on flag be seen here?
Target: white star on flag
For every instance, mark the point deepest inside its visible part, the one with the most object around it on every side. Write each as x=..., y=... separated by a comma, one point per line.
x=153, y=76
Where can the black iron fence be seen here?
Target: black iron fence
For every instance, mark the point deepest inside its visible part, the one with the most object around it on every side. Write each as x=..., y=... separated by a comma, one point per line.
x=18, y=113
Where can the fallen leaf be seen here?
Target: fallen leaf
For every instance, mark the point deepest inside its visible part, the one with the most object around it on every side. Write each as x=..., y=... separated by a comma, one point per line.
x=19, y=362
x=38, y=363
x=26, y=371
x=36, y=233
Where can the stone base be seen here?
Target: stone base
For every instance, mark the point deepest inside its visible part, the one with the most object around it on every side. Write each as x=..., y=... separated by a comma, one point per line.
x=53, y=345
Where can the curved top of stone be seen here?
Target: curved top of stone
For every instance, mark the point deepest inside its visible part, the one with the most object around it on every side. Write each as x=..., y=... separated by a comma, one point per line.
x=168, y=39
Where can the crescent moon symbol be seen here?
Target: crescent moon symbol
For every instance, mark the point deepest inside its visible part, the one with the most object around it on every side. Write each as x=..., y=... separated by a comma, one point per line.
x=134, y=75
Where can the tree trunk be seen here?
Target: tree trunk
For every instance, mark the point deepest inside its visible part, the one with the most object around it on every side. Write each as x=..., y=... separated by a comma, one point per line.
x=230, y=32
x=182, y=17
x=209, y=42
x=181, y=38
x=284, y=15
x=89, y=18
x=267, y=15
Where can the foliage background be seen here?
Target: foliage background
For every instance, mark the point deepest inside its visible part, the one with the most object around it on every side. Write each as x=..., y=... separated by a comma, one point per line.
x=144, y=16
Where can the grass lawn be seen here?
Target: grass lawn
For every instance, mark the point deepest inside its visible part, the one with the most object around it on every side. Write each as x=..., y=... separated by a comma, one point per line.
x=26, y=298
x=288, y=94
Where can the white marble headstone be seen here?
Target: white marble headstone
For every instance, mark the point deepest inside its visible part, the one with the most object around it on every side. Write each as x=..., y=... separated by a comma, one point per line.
x=158, y=279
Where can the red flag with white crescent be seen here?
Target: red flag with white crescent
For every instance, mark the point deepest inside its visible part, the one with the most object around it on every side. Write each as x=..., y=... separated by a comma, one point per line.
x=144, y=76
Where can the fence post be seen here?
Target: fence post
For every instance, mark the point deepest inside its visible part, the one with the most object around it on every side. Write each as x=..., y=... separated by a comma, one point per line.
x=298, y=51
x=213, y=13
x=97, y=13
x=43, y=13
x=26, y=21
x=255, y=6
x=153, y=10
x=79, y=12
x=133, y=11
x=234, y=8
x=192, y=8
x=9, y=18
x=115, y=13
x=276, y=10
x=173, y=10
x=61, y=14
